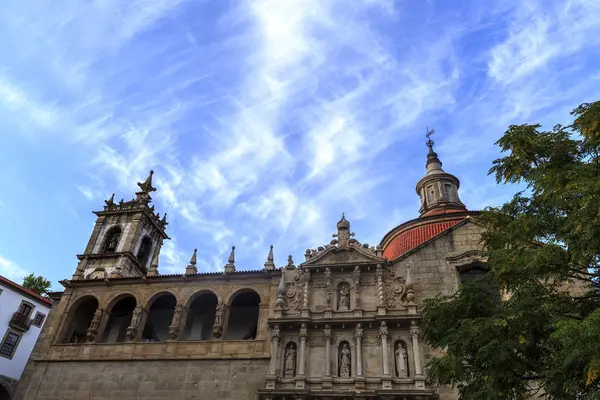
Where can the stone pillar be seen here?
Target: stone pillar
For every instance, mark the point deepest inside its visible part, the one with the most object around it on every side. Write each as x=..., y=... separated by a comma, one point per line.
x=275, y=340
x=380, y=294
x=327, y=381
x=300, y=376
x=304, y=311
x=359, y=380
x=414, y=334
x=386, y=380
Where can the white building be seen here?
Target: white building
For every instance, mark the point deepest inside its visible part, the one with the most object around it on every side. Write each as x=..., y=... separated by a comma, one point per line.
x=22, y=316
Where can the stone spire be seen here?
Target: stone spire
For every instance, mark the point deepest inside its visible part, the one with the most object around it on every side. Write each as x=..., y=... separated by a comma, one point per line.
x=270, y=264
x=143, y=196
x=191, y=268
x=438, y=189
x=230, y=266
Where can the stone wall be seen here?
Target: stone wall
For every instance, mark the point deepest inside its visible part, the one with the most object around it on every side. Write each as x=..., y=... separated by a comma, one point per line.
x=148, y=380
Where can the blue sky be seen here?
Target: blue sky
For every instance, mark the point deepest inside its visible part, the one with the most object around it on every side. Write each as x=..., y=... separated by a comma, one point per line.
x=265, y=120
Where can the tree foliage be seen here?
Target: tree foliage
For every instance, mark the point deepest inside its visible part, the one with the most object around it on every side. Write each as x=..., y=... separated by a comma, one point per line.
x=38, y=284
x=543, y=251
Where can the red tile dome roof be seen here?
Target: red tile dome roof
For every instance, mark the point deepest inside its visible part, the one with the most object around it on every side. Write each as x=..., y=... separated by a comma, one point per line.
x=413, y=233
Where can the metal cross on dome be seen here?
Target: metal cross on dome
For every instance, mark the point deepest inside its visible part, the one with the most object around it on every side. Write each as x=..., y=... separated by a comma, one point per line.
x=428, y=134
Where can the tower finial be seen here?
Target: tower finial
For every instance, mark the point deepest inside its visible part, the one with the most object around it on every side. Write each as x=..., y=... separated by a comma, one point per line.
x=230, y=266
x=429, y=142
x=270, y=265
x=146, y=186
x=191, y=268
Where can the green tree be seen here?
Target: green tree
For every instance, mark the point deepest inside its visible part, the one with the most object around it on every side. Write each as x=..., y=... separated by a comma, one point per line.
x=38, y=284
x=542, y=338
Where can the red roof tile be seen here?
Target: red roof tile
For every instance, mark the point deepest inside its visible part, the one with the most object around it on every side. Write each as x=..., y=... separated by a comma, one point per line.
x=413, y=237
x=23, y=289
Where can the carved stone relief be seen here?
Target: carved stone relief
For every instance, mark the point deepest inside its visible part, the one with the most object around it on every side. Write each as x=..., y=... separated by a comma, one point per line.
x=395, y=289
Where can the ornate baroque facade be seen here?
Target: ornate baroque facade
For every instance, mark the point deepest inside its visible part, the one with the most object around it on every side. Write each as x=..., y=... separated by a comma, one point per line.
x=343, y=324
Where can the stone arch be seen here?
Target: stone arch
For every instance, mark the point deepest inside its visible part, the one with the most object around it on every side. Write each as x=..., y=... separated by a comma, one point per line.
x=401, y=359
x=78, y=318
x=195, y=294
x=112, y=299
x=201, y=314
x=344, y=359
x=161, y=307
x=290, y=356
x=111, y=239
x=118, y=317
x=343, y=292
x=243, y=310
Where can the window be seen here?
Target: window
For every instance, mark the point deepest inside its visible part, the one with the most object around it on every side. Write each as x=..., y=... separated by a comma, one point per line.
x=25, y=309
x=9, y=344
x=39, y=319
x=144, y=251
x=111, y=242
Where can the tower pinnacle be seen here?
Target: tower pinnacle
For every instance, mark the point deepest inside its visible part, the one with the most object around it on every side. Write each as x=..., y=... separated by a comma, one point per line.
x=438, y=189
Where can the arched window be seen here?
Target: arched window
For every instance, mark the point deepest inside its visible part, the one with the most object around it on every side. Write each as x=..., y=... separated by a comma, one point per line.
x=79, y=320
x=401, y=359
x=111, y=240
x=144, y=251
x=243, y=316
x=119, y=319
x=160, y=316
x=475, y=270
x=201, y=317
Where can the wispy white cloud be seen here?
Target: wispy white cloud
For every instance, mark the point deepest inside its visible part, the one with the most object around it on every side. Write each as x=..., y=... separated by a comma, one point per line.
x=267, y=119
x=11, y=270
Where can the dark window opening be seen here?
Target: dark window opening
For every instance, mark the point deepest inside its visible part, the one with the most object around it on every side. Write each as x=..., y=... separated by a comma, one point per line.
x=80, y=321
x=39, y=319
x=243, y=317
x=473, y=271
x=25, y=309
x=201, y=318
x=119, y=320
x=159, y=319
x=144, y=251
x=112, y=240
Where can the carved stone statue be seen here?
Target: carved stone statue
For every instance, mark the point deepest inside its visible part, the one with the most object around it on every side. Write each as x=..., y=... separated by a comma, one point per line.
x=177, y=316
x=401, y=361
x=135, y=318
x=345, y=361
x=113, y=241
x=290, y=362
x=219, y=313
x=344, y=301
x=96, y=320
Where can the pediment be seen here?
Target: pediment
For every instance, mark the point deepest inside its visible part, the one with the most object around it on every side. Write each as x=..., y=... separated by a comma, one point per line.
x=347, y=255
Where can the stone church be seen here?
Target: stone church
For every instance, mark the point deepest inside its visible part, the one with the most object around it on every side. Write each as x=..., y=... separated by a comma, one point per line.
x=342, y=324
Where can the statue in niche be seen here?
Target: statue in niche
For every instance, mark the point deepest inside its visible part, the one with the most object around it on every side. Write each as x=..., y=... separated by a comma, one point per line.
x=135, y=318
x=345, y=358
x=401, y=360
x=290, y=361
x=113, y=241
x=344, y=301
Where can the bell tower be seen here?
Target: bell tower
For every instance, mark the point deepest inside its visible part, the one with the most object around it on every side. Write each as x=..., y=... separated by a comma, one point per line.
x=438, y=189
x=126, y=239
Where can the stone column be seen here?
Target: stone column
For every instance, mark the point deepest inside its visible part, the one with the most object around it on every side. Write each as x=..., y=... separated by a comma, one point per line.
x=275, y=340
x=414, y=334
x=300, y=377
x=359, y=380
x=358, y=337
x=327, y=380
x=380, y=296
x=386, y=380
x=304, y=311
